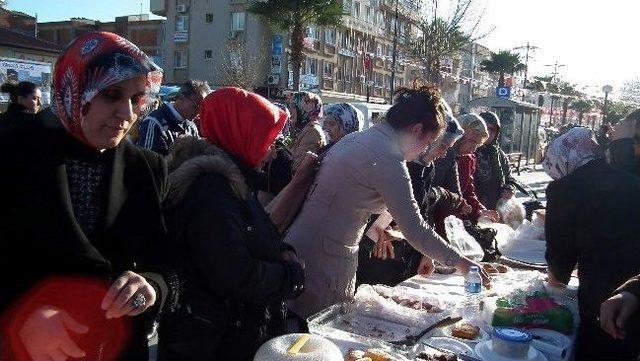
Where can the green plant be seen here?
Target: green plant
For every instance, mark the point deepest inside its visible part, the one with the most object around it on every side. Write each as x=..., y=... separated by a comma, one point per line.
x=502, y=63
x=293, y=16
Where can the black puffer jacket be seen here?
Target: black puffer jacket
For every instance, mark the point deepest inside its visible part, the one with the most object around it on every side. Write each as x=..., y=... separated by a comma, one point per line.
x=229, y=254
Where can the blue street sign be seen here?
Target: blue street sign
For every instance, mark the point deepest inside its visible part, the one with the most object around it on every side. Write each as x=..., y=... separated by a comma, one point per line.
x=503, y=92
x=276, y=45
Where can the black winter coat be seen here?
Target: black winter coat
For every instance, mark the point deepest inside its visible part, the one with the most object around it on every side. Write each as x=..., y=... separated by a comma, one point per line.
x=622, y=155
x=41, y=238
x=13, y=117
x=229, y=254
x=592, y=221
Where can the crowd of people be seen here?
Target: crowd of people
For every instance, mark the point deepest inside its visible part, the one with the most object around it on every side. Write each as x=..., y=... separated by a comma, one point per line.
x=224, y=219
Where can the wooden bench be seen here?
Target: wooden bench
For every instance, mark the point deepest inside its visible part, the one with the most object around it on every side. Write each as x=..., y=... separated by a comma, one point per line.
x=514, y=161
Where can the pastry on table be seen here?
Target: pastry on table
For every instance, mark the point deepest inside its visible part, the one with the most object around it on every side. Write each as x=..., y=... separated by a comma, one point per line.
x=466, y=331
x=378, y=355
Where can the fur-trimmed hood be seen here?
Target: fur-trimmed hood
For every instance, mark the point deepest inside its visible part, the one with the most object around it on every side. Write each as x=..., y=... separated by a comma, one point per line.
x=191, y=158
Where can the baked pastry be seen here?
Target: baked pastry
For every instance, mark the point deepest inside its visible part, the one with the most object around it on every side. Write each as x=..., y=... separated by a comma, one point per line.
x=378, y=355
x=501, y=268
x=466, y=331
x=490, y=269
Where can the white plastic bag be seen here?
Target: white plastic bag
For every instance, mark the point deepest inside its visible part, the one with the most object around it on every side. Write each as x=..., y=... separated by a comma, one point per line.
x=461, y=239
x=511, y=211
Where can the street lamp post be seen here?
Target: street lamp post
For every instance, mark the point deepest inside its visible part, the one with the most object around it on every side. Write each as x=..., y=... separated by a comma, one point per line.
x=606, y=89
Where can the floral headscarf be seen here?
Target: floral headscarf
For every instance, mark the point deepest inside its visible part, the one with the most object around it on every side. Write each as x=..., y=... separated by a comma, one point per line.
x=349, y=118
x=570, y=151
x=91, y=63
x=307, y=107
x=473, y=122
x=287, y=126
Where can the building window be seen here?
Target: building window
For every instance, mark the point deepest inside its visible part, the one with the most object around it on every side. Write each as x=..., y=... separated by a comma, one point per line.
x=311, y=67
x=347, y=40
x=180, y=59
x=208, y=54
x=328, y=70
x=367, y=13
x=209, y=17
x=182, y=23
x=238, y=20
x=311, y=32
x=356, y=10
x=330, y=36
x=347, y=6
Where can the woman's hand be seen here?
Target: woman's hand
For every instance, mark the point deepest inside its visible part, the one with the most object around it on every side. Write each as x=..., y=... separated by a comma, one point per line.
x=616, y=311
x=129, y=295
x=507, y=194
x=45, y=335
x=464, y=266
x=492, y=215
x=426, y=267
x=308, y=168
x=384, y=247
x=465, y=208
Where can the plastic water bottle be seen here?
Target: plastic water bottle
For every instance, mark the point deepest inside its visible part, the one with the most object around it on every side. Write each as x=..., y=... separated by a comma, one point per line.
x=473, y=281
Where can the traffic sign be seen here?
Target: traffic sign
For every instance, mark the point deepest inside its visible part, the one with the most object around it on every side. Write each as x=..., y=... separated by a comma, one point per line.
x=503, y=92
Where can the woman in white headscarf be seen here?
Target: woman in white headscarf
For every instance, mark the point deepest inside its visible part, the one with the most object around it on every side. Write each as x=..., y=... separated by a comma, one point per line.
x=592, y=220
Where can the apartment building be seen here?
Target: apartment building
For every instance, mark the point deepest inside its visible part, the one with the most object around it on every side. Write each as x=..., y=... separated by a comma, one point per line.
x=147, y=34
x=200, y=34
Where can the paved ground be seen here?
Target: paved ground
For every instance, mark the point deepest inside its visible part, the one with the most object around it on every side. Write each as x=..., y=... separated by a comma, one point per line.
x=535, y=179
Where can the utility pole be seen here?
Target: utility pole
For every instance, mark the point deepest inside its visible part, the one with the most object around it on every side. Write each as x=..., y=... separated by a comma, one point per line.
x=555, y=69
x=528, y=48
x=553, y=76
x=394, y=56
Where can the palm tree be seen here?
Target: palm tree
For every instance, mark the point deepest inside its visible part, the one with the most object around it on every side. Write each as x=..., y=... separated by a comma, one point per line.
x=569, y=91
x=504, y=62
x=293, y=16
x=581, y=106
x=438, y=39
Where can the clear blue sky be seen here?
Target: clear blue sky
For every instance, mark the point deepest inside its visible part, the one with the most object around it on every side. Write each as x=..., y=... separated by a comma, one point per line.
x=103, y=10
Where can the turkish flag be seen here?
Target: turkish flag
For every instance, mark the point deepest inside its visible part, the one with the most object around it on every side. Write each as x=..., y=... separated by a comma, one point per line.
x=367, y=61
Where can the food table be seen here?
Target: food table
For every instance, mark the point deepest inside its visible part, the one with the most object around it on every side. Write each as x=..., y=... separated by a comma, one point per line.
x=389, y=318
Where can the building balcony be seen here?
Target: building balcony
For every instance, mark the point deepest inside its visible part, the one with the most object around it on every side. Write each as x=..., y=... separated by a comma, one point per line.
x=329, y=49
x=159, y=7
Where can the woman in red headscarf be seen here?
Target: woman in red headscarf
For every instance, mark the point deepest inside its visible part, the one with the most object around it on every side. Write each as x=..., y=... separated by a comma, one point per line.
x=236, y=270
x=81, y=221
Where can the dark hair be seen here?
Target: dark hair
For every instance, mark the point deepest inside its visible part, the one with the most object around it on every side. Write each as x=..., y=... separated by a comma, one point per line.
x=421, y=105
x=193, y=87
x=490, y=118
x=23, y=88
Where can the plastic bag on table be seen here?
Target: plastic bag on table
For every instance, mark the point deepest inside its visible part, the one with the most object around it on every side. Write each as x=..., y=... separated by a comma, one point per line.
x=511, y=211
x=529, y=230
x=504, y=233
x=461, y=239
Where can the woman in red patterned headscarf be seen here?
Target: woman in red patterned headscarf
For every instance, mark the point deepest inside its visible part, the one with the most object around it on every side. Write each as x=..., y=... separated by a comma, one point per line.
x=80, y=239
x=236, y=270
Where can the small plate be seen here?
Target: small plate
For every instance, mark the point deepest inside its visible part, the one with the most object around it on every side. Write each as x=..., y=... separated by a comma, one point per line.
x=485, y=351
x=449, y=344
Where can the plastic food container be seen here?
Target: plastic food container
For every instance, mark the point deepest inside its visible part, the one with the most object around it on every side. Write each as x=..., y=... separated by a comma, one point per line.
x=511, y=342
